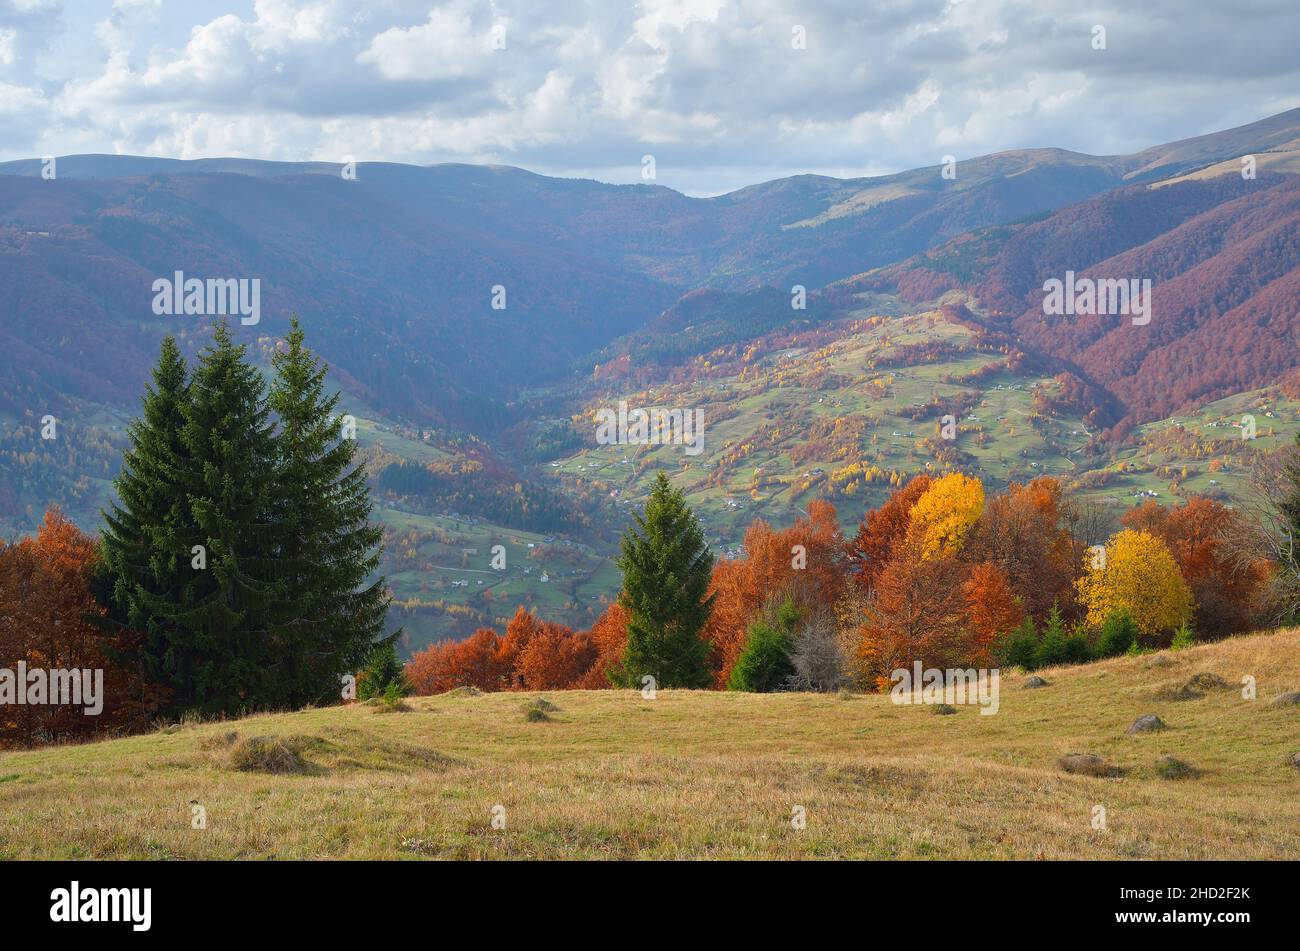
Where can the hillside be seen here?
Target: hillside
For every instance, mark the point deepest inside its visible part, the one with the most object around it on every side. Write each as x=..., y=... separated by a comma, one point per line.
x=1223, y=258
x=847, y=411
x=701, y=775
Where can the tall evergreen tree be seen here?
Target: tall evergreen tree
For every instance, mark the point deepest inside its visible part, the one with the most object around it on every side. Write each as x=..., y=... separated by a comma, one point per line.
x=217, y=657
x=138, y=568
x=666, y=567
x=332, y=611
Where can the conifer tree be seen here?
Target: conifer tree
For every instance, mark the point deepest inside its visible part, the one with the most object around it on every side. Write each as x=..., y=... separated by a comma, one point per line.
x=332, y=610
x=666, y=567
x=218, y=656
x=137, y=568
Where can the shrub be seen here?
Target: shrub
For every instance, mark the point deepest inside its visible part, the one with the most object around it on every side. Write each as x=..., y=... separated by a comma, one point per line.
x=1053, y=649
x=764, y=665
x=817, y=656
x=382, y=671
x=1020, y=647
x=1184, y=637
x=1118, y=633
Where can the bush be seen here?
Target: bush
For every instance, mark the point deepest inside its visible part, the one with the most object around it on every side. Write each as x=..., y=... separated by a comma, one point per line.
x=1020, y=647
x=817, y=657
x=1117, y=635
x=1054, y=647
x=383, y=673
x=1184, y=637
x=764, y=665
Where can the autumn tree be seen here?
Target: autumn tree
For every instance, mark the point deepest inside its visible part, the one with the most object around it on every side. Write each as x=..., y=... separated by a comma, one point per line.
x=883, y=529
x=555, y=657
x=609, y=636
x=1138, y=575
x=47, y=621
x=1022, y=532
x=917, y=611
x=446, y=665
x=1198, y=533
x=992, y=610
x=805, y=562
x=943, y=516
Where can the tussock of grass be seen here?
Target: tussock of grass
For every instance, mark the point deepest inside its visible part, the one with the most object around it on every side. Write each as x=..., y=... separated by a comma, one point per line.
x=1170, y=767
x=1089, y=764
x=1207, y=681
x=276, y=755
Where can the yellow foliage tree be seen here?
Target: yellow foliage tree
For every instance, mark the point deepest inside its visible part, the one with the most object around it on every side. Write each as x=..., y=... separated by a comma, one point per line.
x=942, y=517
x=1137, y=574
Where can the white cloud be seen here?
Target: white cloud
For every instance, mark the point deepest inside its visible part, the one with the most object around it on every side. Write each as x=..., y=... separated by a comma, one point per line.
x=712, y=87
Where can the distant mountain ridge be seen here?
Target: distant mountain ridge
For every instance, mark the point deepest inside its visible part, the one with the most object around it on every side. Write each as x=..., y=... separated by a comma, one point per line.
x=394, y=273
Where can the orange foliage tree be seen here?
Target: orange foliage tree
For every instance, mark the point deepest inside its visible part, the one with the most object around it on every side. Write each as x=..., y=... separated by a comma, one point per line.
x=805, y=561
x=47, y=620
x=1021, y=531
x=916, y=612
x=882, y=530
x=992, y=609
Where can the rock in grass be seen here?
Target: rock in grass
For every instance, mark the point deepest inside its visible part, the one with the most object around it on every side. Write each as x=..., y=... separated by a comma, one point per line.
x=1034, y=681
x=1147, y=723
x=943, y=710
x=1170, y=767
x=464, y=692
x=1291, y=699
x=1295, y=759
x=1206, y=681
x=1088, y=764
x=535, y=715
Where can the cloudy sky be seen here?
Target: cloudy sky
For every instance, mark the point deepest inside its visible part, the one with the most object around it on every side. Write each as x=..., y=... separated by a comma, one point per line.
x=718, y=91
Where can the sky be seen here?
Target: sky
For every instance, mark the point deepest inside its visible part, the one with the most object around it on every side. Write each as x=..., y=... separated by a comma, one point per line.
x=722, y=93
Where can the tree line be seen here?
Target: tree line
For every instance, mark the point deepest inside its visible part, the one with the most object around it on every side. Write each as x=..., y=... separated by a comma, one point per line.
x=940, y=573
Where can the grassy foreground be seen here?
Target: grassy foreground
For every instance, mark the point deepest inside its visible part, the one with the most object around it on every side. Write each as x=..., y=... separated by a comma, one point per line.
x=703, y=775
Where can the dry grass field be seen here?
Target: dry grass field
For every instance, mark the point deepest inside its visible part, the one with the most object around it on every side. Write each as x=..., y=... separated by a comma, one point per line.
x=700, y=775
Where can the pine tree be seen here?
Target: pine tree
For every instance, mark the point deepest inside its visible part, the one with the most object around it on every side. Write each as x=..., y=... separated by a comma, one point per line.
x=332, y=611
x=218, y=657
x=138, y=568
x=666, y=567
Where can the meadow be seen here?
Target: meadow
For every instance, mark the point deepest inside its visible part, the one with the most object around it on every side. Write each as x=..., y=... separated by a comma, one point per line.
x=699, y=774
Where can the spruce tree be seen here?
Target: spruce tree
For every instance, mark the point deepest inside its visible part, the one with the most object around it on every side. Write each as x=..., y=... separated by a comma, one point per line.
x=138, y=568
x=332, y=609
x=666, y=567
x=218, y=656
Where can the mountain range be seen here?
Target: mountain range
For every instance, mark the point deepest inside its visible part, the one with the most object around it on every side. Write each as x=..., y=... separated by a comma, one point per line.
x=393, y=270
